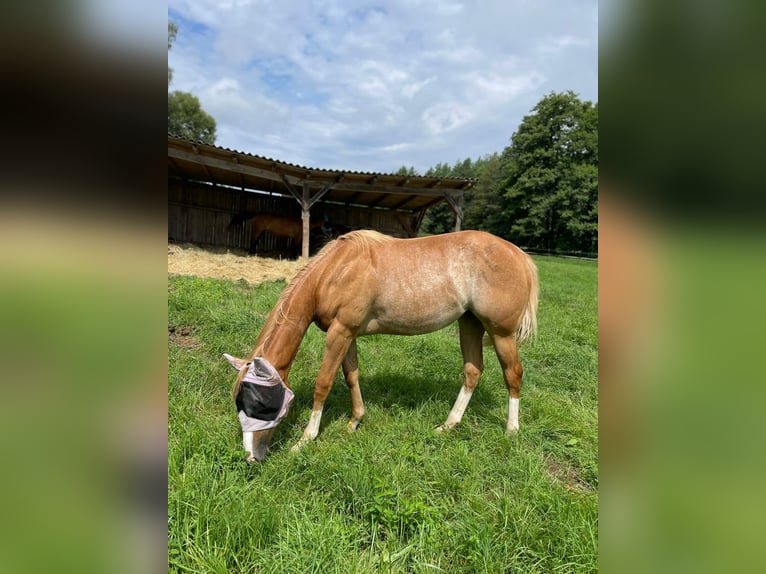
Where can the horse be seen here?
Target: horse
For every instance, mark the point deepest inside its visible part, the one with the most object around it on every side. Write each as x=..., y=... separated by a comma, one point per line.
x=366, y=283
x=278, y=225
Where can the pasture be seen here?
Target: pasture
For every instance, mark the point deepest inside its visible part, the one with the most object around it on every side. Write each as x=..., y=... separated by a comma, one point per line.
x=395, y=496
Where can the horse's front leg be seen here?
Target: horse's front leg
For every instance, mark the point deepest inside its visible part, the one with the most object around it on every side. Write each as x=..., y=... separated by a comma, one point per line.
x=338, y=341
x=351, y=372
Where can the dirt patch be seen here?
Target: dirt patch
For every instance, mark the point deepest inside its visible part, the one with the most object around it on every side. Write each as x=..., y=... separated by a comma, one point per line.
x=567, y=476
x=222, y=263
x=182, y=336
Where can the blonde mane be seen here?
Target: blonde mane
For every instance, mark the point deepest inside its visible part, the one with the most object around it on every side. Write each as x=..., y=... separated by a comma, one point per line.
x=364, y=238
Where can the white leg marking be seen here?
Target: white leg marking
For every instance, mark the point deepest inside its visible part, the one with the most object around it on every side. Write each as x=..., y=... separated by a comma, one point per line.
x=247, y=441
x=312, y=430
x=513, y=415
x=456, y=414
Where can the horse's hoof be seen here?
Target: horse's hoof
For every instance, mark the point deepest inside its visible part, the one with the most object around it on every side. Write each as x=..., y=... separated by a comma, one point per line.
x=439, y=429
x=352, y=426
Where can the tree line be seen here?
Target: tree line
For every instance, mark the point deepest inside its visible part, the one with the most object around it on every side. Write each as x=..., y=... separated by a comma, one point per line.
x=541, y=191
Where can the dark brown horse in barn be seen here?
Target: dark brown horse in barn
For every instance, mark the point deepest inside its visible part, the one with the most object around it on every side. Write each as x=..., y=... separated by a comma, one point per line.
x=277, y=225
x=366, y=283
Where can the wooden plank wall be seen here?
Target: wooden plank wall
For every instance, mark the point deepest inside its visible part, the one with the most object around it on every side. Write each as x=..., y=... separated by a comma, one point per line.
x=200, y=214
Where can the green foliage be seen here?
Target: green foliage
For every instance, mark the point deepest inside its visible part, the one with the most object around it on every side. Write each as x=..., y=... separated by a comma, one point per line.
x=394, y=496
x=404, y=170
x=186, y=118
x=552, y=182
x=483, y=203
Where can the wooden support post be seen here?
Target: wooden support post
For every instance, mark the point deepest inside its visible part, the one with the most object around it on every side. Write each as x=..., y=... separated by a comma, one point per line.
x=456, y=203
x=306, y=217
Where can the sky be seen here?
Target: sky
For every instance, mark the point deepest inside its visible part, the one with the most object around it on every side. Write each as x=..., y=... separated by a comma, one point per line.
x=374, y=86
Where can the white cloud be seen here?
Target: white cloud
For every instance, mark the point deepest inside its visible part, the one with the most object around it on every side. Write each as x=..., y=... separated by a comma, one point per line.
x=411, y=89
x=446, y=117
x=379, y=85
x=555, y=44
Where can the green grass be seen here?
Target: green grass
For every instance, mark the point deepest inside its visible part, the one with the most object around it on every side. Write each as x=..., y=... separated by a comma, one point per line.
x=395, y=496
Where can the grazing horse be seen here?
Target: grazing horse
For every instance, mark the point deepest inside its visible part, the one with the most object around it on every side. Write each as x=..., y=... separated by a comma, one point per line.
x=366, y=283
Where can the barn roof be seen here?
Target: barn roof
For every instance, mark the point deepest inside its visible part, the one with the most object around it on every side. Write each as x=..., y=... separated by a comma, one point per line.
x=196, y=161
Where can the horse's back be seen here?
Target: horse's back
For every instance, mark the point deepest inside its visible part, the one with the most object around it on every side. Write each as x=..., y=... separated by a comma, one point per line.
x=410, y=286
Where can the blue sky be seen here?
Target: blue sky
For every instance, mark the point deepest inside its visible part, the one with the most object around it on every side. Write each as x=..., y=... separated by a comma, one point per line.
x=372, y=86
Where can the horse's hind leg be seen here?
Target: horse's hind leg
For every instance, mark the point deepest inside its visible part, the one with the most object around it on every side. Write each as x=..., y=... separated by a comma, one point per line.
x=471, y=331
x=507, y=354
x=351, y=372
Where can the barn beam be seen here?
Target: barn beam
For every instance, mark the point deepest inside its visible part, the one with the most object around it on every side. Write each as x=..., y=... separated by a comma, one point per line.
x=227, y=165
x=377, y=201
x=174, y=167
x=353, y=197
x=385, y=189
x=434, y=202
x=405, y=201
x=320, y=194
x=419, y=219
x=455, y=201
x=204, y=166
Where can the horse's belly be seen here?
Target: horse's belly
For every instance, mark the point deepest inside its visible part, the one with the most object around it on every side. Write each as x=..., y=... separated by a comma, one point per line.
x=411, y=320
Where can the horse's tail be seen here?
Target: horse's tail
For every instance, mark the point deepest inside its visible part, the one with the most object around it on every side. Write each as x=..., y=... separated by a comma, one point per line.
x=528, y=326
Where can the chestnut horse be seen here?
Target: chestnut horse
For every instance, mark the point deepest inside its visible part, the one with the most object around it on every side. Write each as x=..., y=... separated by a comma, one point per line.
x=278, y=225
x=367, y=283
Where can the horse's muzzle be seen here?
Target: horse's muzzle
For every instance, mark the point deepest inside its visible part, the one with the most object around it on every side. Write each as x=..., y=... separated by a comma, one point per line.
x=256, y=445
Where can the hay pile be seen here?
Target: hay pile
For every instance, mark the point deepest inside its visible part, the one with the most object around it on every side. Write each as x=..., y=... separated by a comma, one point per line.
x=188, y=259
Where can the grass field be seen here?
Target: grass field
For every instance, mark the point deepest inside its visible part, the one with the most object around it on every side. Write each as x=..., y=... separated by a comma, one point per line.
x=395, y=496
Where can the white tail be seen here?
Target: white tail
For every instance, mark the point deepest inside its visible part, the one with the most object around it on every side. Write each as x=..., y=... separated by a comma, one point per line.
x=528, y=326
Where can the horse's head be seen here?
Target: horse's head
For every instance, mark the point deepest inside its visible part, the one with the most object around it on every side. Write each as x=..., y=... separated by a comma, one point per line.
x=262, y=400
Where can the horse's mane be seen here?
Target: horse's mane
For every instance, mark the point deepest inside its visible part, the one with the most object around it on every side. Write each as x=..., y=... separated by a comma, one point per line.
x=363, y=238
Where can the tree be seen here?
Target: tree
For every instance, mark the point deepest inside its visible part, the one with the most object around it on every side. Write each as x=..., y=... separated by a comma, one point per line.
x=551, y=189
x=404, y=170
x=484, y=201
x=186, y=118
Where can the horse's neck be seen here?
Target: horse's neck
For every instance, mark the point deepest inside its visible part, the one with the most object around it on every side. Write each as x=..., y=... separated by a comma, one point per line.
x=286, y=326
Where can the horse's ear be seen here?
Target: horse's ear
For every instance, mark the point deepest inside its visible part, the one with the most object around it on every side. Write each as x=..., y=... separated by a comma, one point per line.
x=235, y=362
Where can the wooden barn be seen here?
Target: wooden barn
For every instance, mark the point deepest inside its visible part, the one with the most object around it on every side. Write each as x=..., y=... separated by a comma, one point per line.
x=214, y=193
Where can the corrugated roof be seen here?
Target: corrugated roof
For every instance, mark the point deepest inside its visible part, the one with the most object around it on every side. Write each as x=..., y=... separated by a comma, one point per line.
x=196, y=161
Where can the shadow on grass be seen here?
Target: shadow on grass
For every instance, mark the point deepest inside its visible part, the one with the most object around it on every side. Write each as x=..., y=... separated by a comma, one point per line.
x=405, y=395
